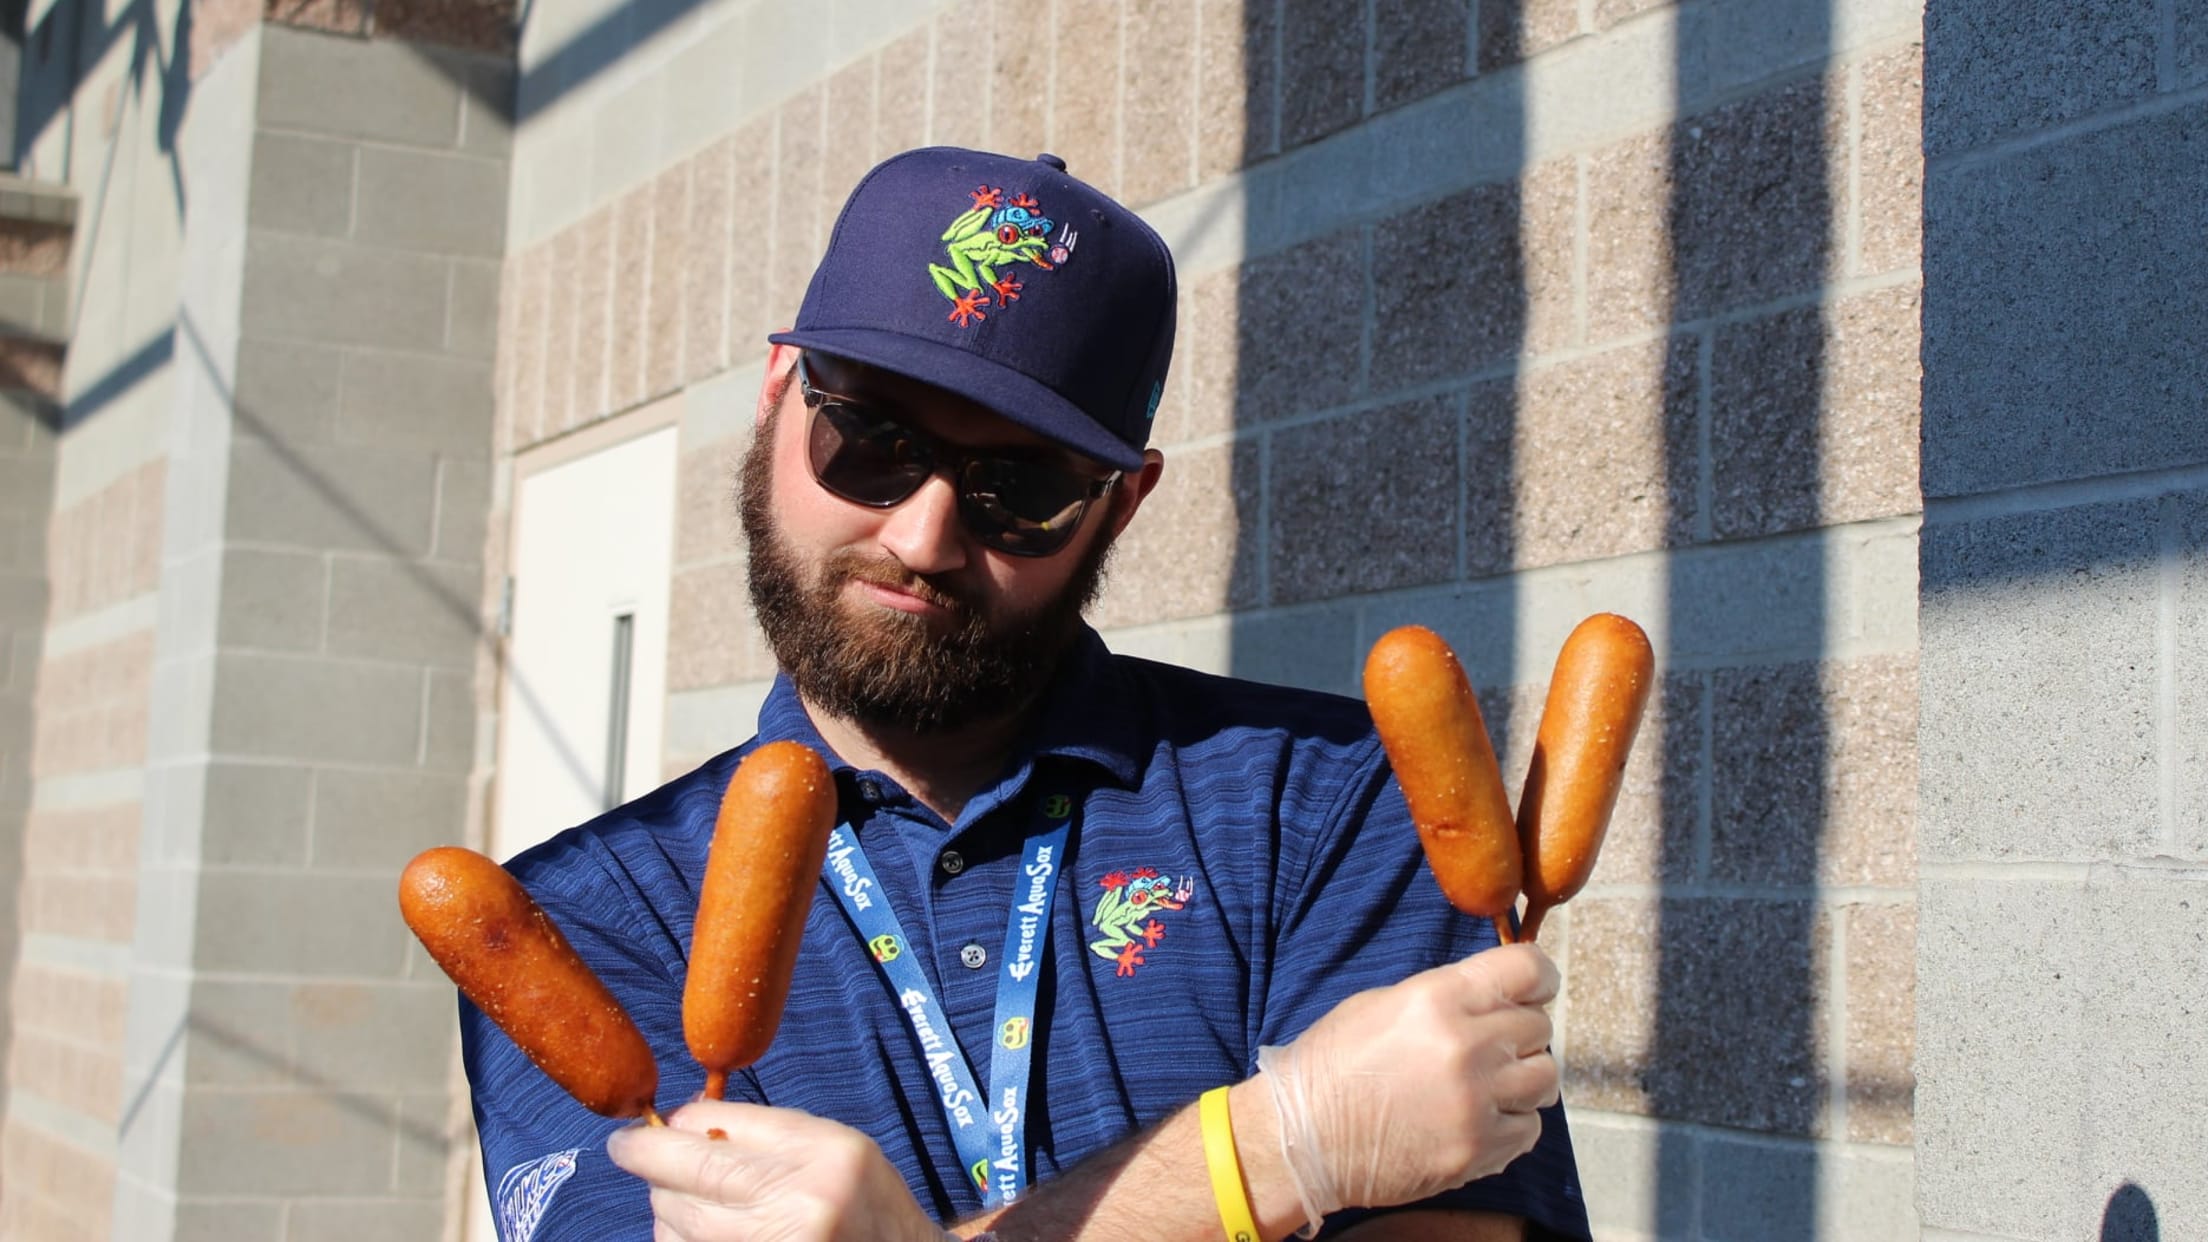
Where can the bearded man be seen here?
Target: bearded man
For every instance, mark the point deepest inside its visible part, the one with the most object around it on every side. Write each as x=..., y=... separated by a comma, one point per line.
x=1108, y=887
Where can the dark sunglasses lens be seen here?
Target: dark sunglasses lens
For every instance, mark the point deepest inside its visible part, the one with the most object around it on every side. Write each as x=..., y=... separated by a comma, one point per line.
x=866, y=459
x=1023, y=508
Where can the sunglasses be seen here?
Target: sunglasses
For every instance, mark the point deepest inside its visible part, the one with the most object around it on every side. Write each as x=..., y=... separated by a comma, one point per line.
x=1019, y=502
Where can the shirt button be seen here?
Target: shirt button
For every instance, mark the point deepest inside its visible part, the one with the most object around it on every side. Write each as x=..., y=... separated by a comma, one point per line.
x=952, y=862
x=870, y=789
x=973, y=957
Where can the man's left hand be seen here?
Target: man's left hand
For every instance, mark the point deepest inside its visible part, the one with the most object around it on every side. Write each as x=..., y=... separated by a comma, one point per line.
x=778, y=1175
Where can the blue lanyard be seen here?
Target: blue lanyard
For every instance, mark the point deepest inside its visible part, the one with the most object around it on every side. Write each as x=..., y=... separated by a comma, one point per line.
x=990, y=1131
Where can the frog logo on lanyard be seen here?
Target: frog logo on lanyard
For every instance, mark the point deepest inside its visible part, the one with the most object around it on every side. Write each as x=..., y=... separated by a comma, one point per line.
x=986, y=241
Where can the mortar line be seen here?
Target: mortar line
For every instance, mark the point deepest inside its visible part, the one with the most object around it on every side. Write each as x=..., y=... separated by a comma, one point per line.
x=1993, y=152
x=1705, y=468
x=2166, y=622
x=1705, y=785
x=2031, y=498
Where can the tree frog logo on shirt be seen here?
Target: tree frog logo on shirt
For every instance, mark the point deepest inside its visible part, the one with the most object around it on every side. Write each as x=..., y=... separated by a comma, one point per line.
x=1127, y=914
x=885, y=948
x=997, y=233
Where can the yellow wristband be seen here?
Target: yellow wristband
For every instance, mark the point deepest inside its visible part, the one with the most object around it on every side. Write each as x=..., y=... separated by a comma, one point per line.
x=1226, y=1167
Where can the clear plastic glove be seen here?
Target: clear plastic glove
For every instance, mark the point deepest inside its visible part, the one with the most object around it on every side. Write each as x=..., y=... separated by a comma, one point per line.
x=1404, y=1092
x=745, y=1173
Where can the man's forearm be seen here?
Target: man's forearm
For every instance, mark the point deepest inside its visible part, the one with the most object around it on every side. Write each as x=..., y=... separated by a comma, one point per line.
x=1159, y=1178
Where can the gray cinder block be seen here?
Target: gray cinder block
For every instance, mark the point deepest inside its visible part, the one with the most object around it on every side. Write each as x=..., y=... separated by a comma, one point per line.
x=2037, y=1033
x=302, y=184
x=2064, y=292
x=2037, y=733
x=1997, y=68
x=356, y=88
x=313, y=709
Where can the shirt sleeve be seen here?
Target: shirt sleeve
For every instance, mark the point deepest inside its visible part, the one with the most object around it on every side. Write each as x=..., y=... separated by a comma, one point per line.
x=544, y=1155
x=1358, y=909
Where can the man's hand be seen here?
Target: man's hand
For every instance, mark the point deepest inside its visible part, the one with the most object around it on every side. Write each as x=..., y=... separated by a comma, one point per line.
x=778, y=1176
x=1406, y=1091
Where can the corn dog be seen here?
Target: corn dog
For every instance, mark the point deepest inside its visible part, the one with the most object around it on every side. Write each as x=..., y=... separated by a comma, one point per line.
x=768, y=845
x=509, y=958
x=1430, y=725
x=1596, y=697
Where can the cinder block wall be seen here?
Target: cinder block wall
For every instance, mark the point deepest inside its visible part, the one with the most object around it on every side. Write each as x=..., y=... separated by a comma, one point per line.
x=2063, y=959
x=256, y=690
x=104, y=538
x=1494, y=316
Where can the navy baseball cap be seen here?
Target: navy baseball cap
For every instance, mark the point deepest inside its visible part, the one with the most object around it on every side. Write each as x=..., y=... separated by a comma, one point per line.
x=1007, y=282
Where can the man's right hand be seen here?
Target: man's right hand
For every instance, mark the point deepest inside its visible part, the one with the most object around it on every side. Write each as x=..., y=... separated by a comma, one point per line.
x=1403, y=1092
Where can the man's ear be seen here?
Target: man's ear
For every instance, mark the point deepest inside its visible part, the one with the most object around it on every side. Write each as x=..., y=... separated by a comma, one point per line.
x=781, y=360
x=1133, y=486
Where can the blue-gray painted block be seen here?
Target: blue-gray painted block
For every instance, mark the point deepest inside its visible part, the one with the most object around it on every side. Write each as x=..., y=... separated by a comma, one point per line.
x=351, y=1221
x=271, y=600
x=380, y=818
x=302, y=1143
x=334, y=925
x=226, y=1220
x=2191, y=53
x=487, y=114
x=302, y=184
x=378, y=89
x=2036, y=735
x=358, y=498
x=256, y=815
x=286, y=391
x=331, y=293
x=397, y=1036
x=2065, y=289
x=408, y=401
x=1995, y=69
x=290, y=707
x=431, y=201
x=405, y=611
x=471, y=331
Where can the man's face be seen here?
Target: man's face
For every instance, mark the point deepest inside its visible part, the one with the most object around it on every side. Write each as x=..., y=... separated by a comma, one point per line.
x=898, y=617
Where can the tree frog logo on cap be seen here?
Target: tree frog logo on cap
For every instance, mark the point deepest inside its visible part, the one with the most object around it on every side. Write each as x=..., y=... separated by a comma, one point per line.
x=995, y=234
x=1057, y=806
x=885, y=948
x=1014, y=1033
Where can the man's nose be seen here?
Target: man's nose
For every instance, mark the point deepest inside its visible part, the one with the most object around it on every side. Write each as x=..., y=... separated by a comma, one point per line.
x=925, y=533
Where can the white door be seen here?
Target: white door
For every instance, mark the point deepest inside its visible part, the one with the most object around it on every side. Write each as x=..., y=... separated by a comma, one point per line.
x=586, y=674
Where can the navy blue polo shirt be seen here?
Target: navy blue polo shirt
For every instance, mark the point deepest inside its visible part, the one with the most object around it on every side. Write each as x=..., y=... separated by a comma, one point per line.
x=1279, y=871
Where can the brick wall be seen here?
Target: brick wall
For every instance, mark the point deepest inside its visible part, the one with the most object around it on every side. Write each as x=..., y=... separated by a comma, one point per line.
x=1493, y=316
x=2065, y=552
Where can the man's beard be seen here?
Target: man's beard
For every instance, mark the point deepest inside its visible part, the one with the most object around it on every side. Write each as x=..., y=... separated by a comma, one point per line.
x=891, y=669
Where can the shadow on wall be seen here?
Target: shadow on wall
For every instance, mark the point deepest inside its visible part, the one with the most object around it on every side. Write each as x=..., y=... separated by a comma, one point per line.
x=2130, y=1216
x=1402, y=459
